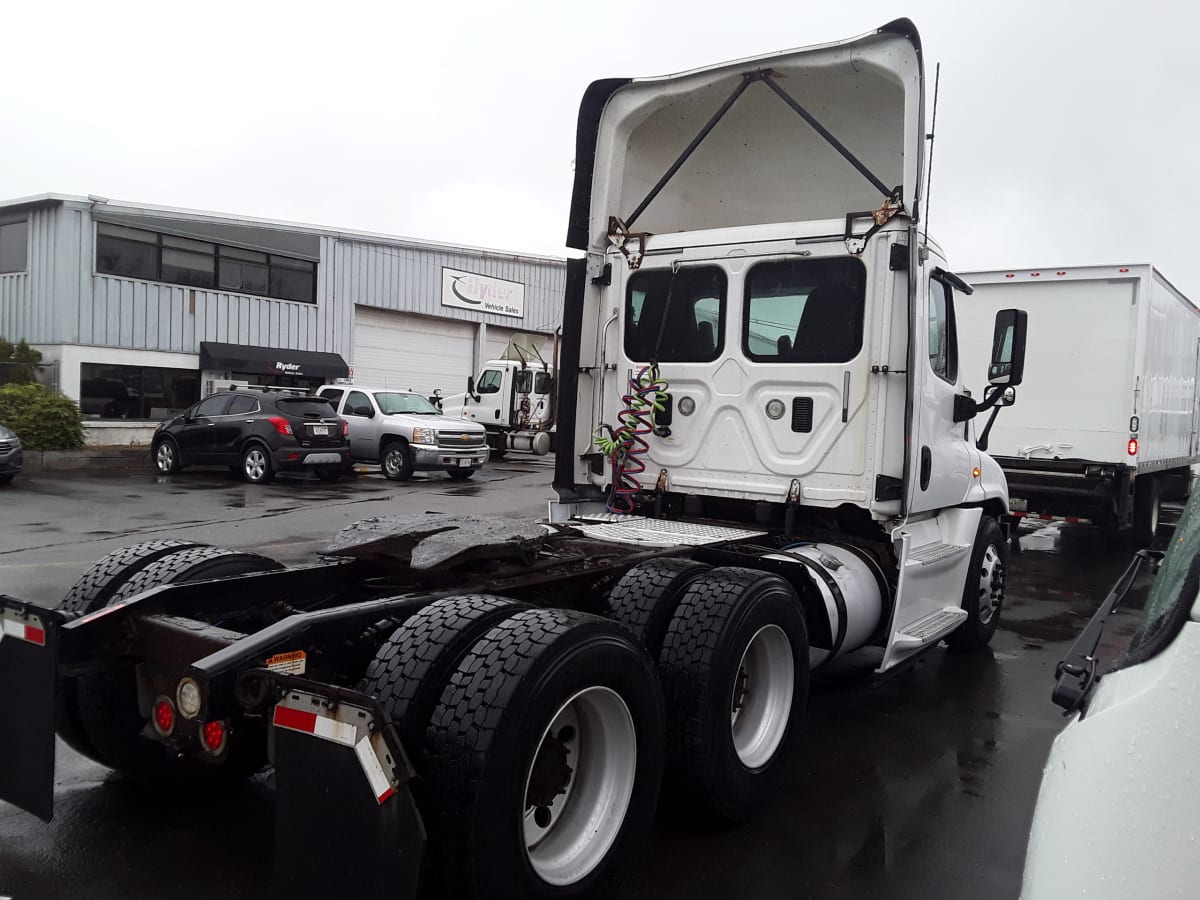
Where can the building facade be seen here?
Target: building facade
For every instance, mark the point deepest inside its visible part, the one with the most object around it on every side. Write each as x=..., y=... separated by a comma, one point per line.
x=139, y=311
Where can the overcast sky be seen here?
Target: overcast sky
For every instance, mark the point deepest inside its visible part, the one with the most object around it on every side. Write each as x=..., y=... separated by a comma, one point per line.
x=1068, y=132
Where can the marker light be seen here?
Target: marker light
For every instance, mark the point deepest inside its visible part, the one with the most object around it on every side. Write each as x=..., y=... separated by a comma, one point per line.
x=1009, y=275
x=164, y=716
x=1060, y=273
x=775, y=409
x=976, y=472
x=187, y=695
x=1123, y=270
x=1131, y=447
x=213, y=734
x=687, y=406
x=1034, y=274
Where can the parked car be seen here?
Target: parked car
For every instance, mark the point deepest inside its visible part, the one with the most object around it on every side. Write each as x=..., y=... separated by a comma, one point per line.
x=1116, y=815
x=256, y=434
x=405, y=433
x=10, y=455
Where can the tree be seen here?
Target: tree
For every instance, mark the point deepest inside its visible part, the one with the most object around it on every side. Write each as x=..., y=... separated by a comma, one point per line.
x=18, y=362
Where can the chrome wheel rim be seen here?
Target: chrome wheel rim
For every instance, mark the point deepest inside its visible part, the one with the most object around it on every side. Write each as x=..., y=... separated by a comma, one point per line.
x=165, y=457
x=761, y=705
x=578, y=786
x=991, y=584
x=255, y=465
x=392, y=462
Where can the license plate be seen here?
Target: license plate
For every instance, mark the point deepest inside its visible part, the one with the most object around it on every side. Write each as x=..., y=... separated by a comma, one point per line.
x=320, y=429
x=1016, y=504
x=464, y=463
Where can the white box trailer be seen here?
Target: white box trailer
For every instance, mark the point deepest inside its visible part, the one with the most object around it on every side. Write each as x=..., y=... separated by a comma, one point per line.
x=1107, y=423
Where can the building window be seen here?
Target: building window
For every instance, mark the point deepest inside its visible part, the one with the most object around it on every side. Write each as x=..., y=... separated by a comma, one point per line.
x=14, y=246
x=136, y=253
x=135, y=392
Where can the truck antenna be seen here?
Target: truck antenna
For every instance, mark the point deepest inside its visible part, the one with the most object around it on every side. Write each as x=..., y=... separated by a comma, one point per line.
x=937, y=78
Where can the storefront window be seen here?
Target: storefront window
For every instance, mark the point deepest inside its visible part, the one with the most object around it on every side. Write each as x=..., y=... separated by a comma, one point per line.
x=135, y=392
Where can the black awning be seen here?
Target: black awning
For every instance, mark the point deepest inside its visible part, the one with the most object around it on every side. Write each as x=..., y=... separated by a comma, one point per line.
x=271, y=361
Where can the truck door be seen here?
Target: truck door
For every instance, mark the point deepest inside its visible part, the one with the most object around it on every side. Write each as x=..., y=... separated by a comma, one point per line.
x=940, y=461
x=363, y=424
x=491, y=389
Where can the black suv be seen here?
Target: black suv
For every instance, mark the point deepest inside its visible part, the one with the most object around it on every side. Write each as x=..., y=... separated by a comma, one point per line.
x=256, y=434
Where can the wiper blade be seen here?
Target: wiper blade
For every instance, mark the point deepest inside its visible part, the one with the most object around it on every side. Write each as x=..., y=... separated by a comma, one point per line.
x=1076, y=673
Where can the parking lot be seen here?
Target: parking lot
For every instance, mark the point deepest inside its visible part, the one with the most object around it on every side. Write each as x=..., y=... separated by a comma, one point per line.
x=919, y=786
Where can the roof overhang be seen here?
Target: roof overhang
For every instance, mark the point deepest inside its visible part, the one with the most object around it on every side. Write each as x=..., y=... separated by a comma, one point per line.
x=271, y=361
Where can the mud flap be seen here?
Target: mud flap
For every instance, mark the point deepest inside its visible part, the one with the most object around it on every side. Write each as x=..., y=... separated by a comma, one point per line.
x=346, y=824
x=28, y=681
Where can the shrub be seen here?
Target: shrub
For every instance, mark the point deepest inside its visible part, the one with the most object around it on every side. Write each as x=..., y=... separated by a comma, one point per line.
x=43, y=419
x=18, y=362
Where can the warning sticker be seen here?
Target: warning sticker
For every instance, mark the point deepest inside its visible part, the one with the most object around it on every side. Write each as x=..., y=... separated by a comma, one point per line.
x=291, y=663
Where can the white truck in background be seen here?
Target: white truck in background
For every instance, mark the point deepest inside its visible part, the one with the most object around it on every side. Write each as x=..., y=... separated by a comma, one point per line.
x=513, y=397
x=1109, y=420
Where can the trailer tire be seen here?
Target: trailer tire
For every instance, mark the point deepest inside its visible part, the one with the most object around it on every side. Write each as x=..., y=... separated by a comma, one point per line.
x=735, y=631
x=983, y=593
x=411, y=670
x=645, y=598
x=542, y=690
x=103, y=706
x=1147, y=508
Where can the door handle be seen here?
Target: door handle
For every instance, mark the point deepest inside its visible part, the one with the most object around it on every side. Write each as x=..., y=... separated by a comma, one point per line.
x=926, y=467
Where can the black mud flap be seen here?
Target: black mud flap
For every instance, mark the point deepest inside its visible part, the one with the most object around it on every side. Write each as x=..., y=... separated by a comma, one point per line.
x=346, y=824
x=28, y=681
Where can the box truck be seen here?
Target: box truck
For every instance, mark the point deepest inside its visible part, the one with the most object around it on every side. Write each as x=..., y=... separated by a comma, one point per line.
x=1107, y=424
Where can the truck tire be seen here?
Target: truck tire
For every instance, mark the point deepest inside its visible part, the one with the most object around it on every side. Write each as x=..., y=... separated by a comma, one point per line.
x=395, y=460
x=1147, y=507
x=104, y=705
x=734, y=667
x=983, y=593
x=91, y=592
x=645, y=598
x=413, y=667
x=545, y=756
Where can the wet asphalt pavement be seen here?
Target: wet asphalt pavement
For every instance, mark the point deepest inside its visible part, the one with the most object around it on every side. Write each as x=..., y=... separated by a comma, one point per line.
x=920, y=786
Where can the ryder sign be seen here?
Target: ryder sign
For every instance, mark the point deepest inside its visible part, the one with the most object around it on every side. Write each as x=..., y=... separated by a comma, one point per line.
x=466, y=290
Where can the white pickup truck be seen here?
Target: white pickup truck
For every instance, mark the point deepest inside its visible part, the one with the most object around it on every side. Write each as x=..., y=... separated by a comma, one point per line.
x=404, y=433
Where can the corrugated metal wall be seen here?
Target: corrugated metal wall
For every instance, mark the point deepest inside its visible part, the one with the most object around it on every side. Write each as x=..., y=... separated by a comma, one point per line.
x=410, y=280
x=61, y=300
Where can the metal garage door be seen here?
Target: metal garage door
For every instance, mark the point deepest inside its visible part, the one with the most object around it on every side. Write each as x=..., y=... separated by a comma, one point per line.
x=399, y=350
x=497, y=340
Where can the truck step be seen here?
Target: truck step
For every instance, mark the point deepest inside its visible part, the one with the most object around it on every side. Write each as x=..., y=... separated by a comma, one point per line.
x=641, y=530
x=930, y=628
x=936, y=552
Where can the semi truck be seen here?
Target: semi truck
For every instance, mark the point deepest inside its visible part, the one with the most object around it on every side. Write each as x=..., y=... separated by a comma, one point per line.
x=1109, y=420
x=763, y=469
x=513, y=397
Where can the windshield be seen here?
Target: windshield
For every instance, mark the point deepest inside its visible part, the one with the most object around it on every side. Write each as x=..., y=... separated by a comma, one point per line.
x=1173, y=593
x=391, y=404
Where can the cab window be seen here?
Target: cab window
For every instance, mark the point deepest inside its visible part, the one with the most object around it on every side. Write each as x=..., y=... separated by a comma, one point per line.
x=804, y=311
x=333, y=395
x=523, y=381
x=943, y=341
x=489, y=382
x=541, y=383
x=675, y=316
x=354, y=401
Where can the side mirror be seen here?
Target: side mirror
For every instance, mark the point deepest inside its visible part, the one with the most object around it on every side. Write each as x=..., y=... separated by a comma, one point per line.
x=1008, y=348
x=471, y=385
x=365, y=411
x=1009, y=397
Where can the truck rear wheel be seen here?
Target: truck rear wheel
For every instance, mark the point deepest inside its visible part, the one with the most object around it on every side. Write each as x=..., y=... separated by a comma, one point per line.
x=91, y=592
x=412, y=669
x=645, y=598
x=983, y=593
x=1147, y=507
x=734, y=667
x=545, y=756
x=103, y=706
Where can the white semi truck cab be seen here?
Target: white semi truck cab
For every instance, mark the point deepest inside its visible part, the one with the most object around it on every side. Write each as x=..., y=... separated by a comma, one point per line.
x=761, y=334
x=513, y=397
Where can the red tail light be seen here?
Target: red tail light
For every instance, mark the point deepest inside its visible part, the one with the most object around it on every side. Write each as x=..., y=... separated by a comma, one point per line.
x=213, y=735
x=281, y=425
x=164, y=717
x=1131, y=447
x=345, y=428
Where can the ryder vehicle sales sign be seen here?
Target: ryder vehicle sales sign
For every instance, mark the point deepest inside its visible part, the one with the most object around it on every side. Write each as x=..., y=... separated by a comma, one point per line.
x=466, y=290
